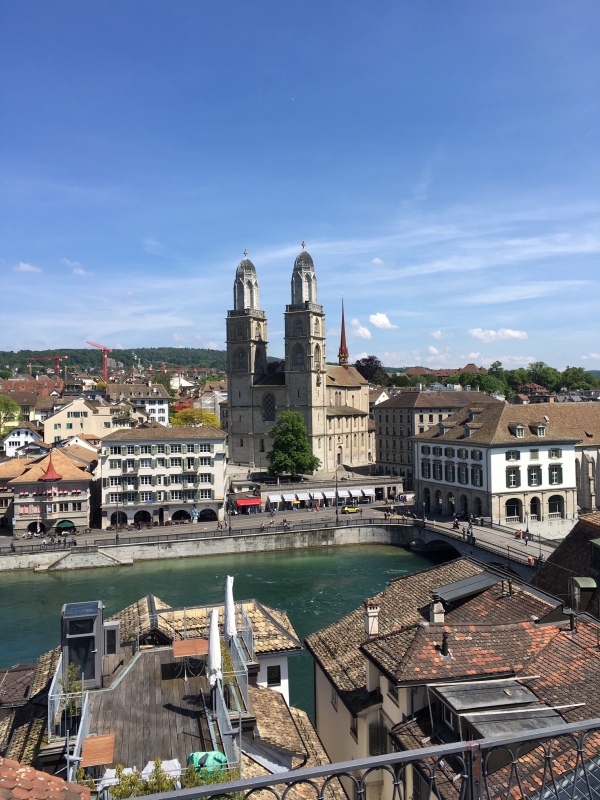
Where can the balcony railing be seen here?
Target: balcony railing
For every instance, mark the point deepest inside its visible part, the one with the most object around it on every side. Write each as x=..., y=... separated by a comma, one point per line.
x=226, y=730
x=560, y=763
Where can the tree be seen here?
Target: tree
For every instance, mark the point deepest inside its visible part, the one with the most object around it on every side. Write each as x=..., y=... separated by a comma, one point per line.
x=10, y=414
x=194, y=417
x=165, y=380
x=577, y=378
x=369, y=367
x=291, y=453
x=542, y=374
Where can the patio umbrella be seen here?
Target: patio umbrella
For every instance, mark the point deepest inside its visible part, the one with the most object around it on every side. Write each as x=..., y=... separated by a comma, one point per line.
x=215, y=672
x=230, y=623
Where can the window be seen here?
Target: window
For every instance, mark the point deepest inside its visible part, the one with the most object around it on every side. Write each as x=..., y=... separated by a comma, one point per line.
x=176, y=448
x=160, y=448
x=512, y=455
x=114, y=463
x=431, y=418
x=146, y=462
x=393, y=691
x=57, y=426
x=463, y=473
x=114, y=451
x=334, y=697
x=298, y=328
x=437, y=451
x=204, y=478
x=425, y=448
x=555, y=475
x=354, y=726
x=241, y=442
x=449, y=452
x=69, y=426
x=421, y=418
x=130, y=450
x=534, y=455
x=204, y=461
x=462, y=453
x=421, y=430
x=448, y=716
x=115, y=481
x=555, y=453
x=176, y=462
x=534, y=476
x=176, y=494
x=437, y=471
x=449, y=471
x=274, y=675
x=513, y=477
x=378, y=739
x=204, y=448
x=145, y=449
x=76, y=506
x=520, y=432
x=476, y=476
x=298, y=357
x=269, y=407
x=160, y=462
x=476, y=455
x=205, y=494
x=146, y=480
x=106, y=425
x=239, y=361
x=116, y=497
x=541, y=430
x=426, y=469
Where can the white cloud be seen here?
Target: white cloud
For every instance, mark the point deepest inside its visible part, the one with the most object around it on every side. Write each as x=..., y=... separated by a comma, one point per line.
x=510, y=361
x=381, y=320
x=360, y=330
x=591, y=357
x=433, y=350
x=437, y=334
x=23, y=267
x=494, y=336
x=179, y=338
x=75, y=266
x=377, y=261
x=526, y=291
x=473, y=355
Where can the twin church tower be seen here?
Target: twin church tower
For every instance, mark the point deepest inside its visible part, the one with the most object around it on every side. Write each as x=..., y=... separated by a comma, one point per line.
x=333, y=399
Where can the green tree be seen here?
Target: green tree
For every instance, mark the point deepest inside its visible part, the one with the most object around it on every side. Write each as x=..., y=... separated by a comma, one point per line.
x=542, y=374
x=165, y=380
x=577, y=378
x=5, y=374
x=291, y=453
x=194, y=417
x=496, y=371
x=369, y=367
x=10, y=414
x=516, y=378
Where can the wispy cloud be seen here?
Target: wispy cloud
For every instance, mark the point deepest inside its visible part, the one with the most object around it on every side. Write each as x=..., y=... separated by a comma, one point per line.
x=179, y=338
x=24, y=267
x=75, y=267
x=381, y=320
x=359, y=330
x=377, y=261
x=494, y=336
x=525, y=291
x=591, y=357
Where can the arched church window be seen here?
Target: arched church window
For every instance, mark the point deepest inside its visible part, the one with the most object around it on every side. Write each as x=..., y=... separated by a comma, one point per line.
x=257, y=332
x=317, y=328
x=250, y=294
x=298, y=328
x=239, y=332
x=239, y=361
x=298, y=357
x=269, y=407
x=318, y=357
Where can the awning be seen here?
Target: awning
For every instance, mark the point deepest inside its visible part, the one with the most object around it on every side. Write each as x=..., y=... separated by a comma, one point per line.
x=343, y=493
x=329, y=494
x=302, y=496
x=289, y=498
x=274, y=498
x=65, y=523
x=369, y=492
x=249, y=501
x=355, y=492
x=317, y=495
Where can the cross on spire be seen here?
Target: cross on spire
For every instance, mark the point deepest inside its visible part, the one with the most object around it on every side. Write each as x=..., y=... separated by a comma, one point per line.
x=245, y=253
x=303, y=244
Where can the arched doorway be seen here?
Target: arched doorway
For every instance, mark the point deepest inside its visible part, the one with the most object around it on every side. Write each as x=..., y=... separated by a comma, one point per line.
x=208, y=515
x=556, y=507
x=478, y=507
x=464, y=504
x=426, y=501
x=181, y=516
x=36, y=527
x=339, y=457
x=4, y=522
x=142, y=517
x=451, y=506
x=122, y=518
x=513, y=510
x=534, y=508
x=438, y=502
x=64, y=526
x=161, y=516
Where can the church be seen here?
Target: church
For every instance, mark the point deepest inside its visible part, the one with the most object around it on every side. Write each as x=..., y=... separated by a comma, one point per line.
x=333, y=399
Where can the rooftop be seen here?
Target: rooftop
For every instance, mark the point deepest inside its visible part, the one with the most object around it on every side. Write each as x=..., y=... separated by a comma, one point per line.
x=435, y=400
x=21, y=782
x=157, y=432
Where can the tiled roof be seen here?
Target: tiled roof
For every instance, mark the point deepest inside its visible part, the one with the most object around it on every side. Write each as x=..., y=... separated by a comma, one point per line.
x=438, y=400
x=345, y=411
x=495, y=424
x=65, y=467
x=21, y=398
x=114, y=390
x=157, y=432
x=414, y=656
x=14, y=467
x=340, y=376
x=275, y=723
x=15, y=684
x=495, y=605
x=404, y=602
x=571, y=559
x=22, y=782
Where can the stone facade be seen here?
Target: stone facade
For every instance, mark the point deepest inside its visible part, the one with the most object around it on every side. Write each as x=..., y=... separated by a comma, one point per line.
x=334, y=400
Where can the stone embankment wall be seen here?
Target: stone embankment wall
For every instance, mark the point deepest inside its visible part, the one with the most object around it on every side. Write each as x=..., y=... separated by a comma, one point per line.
x=122, y=555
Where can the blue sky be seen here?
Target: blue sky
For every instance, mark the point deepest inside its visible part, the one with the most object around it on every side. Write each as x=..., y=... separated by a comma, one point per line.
x=441, y=160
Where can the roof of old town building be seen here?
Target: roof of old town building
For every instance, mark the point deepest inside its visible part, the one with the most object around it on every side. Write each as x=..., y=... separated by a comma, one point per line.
x=58, y=464
x=436, y=400
x=342, y=377
x=154, y=431
x=22, y=782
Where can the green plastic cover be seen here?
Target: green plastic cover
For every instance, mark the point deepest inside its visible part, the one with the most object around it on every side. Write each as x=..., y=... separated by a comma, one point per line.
x=209, y=760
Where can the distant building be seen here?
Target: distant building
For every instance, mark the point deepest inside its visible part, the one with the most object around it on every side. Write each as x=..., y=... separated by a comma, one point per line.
x=23, y=434
x=152, y=397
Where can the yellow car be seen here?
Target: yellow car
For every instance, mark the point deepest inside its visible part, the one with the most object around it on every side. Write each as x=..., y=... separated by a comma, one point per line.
x=350, y=510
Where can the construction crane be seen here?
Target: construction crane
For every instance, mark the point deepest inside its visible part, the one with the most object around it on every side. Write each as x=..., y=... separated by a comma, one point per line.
x=105, y=351
x=56, y=359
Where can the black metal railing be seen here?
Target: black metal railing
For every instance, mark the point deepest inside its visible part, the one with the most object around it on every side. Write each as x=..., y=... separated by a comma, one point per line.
x=559, y=763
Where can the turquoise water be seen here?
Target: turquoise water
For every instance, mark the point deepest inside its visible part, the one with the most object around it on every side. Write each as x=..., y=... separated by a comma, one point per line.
x=315, y=587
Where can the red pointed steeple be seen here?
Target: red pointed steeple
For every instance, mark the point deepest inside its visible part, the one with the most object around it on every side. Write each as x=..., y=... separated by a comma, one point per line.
x=51, y=474
x=343, y=351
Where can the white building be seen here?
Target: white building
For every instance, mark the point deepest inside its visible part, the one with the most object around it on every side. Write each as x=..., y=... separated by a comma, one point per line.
x=500, y=461
x=155, y=475
x=153, y=398
x=24, y=433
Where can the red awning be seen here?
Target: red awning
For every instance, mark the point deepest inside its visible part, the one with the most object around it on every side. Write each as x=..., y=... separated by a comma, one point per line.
x=249, y=501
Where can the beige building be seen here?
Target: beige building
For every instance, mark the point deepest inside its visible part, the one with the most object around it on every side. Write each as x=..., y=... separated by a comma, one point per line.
x=156, y=475
x=413, y=412
x=96, y=418
x=333, y=399
x=150, y=397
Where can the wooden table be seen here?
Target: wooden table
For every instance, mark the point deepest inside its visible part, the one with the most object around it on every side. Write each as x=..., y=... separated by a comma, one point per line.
x=185, y=650
x=98, y=751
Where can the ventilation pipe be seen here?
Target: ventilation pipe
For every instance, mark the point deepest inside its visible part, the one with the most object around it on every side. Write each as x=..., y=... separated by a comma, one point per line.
x=436, y=609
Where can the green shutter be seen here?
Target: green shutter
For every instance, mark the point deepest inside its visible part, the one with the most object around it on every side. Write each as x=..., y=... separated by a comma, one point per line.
x=518, y=477
x=136, y=464
x=167, y=480
x=507, y=454
x=212, y=478
x=559, y=451
x=107, y=500
x=153, y=449
x=154, y=480
x=560, y=474
x=136, y=450
x=196, y=448
x=212, y=448
x=167, y=449
x=153, y=462
x=123, y=451
x=168, y=463
x=104, y=482
x=212, y=462
x=183, y=449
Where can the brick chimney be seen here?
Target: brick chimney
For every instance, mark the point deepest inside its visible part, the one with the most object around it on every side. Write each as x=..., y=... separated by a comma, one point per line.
x=436, y=609
x=371, y=618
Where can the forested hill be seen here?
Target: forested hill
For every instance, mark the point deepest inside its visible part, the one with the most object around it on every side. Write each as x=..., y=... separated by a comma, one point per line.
x=91, y=358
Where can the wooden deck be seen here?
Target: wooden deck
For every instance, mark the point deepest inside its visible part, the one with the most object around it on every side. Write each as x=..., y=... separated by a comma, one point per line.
x=152, y=713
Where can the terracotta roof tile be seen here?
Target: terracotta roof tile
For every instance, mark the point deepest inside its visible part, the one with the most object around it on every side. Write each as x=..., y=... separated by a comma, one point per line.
x=62, y=464
x=438, y=400
x=22, y=782
x=155, y=431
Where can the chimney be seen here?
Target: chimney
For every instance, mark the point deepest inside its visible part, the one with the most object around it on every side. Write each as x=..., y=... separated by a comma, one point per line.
x=436, y=609
x=445, y=649
x=371, y=618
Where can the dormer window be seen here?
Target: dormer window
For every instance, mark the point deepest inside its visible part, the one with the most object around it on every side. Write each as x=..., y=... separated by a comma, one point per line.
x=520, y=432
x=468, y=432
x=541, y=430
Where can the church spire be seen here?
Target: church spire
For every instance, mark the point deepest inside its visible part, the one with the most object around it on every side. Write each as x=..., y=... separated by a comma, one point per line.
x=343, y=351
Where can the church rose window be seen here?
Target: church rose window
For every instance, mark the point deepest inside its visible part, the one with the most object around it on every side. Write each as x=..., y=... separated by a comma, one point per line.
x=269, y=407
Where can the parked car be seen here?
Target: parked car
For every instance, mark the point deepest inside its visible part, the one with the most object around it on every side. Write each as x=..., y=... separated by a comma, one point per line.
x=350, y=510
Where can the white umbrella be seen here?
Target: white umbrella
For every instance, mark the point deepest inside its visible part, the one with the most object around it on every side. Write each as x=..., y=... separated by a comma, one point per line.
x=230, y=623
x=215, y=672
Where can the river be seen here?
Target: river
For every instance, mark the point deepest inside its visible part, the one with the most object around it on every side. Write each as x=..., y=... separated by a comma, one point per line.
x=315, y=587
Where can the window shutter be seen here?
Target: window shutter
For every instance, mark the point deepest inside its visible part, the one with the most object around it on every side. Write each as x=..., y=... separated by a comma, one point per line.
x=168, y=463
x=136, y=450
x=107, y=499
x=154, y=496
x=184, y=449
x=153, y=463
x=136, y=464
x=560, y=474
x=154, y=480
x=167, y=480
x=123, y=451
x=196, y=448
x=167, y=449
x=518, y=473
x=104, y=482
x=212, y=448
x=212, y=478
x=508, y=486
x=378, y=745
x=508, y=455
x=153, y=449
x=212, y=462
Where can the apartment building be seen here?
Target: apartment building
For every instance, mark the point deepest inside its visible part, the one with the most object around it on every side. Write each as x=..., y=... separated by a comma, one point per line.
x=156, y=475
x=23, y=434
x=501, y=461
x=153, y=398
x=408, y=413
